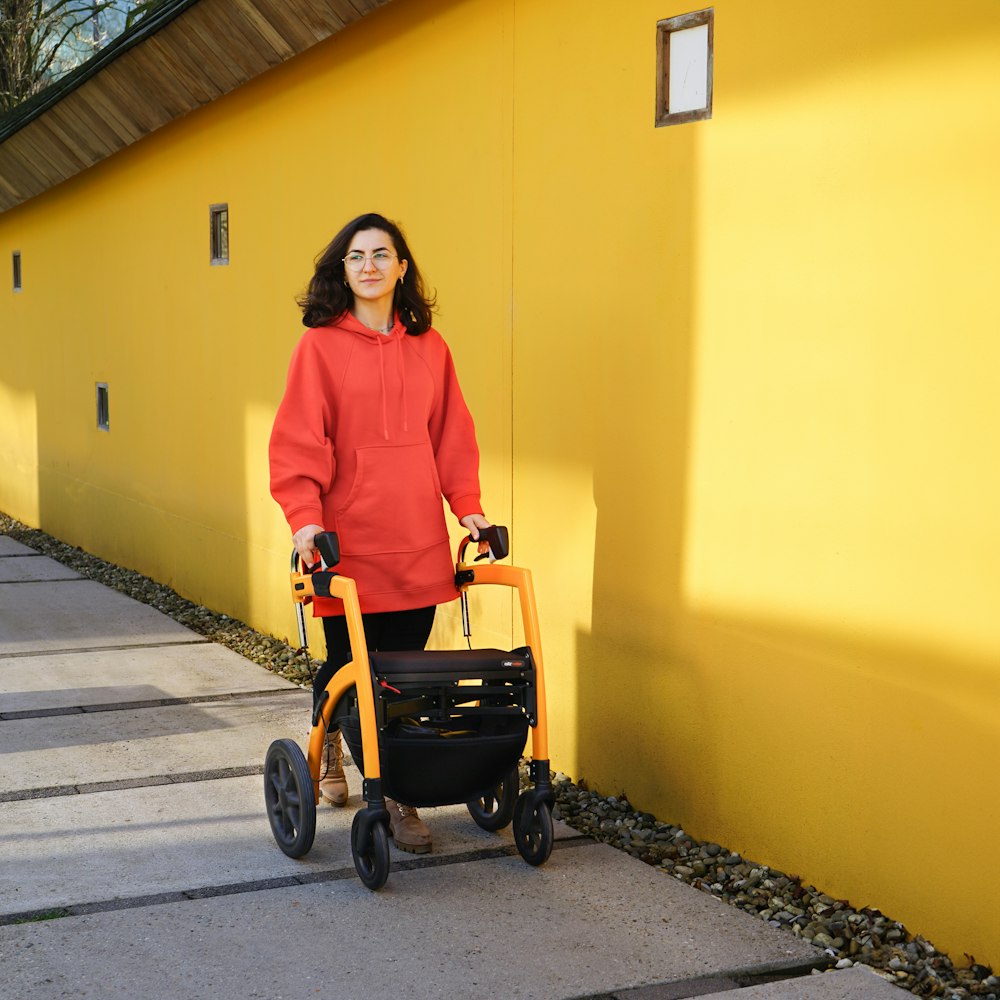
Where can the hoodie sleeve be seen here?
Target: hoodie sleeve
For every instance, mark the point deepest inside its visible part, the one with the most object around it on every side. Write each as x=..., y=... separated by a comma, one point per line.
x=301, y=446
x=453, y=437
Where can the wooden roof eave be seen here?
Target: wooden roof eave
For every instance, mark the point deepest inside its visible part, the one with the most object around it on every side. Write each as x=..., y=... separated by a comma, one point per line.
x=150, y=77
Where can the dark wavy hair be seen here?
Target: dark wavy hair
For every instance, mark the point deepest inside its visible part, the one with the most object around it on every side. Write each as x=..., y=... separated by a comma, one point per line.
x=329, y=296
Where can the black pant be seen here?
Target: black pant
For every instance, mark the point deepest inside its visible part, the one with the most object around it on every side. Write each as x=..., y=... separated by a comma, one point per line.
x=385, y=631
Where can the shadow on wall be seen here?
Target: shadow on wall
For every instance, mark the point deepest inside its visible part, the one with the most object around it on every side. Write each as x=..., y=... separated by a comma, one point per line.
x=807, y=745
x=704, y=662
x=861, y=764
x=640, y=462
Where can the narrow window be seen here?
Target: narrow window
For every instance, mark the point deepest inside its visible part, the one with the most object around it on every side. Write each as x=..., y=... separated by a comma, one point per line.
x=103, y=418
x=219, y=233
x=684, y=56
x=16, y=260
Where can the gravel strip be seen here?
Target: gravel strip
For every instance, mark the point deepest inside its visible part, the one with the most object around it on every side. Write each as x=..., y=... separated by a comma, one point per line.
x=850, y=936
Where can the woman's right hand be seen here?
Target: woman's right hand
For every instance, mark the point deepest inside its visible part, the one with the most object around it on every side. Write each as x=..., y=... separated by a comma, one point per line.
x=303, y=542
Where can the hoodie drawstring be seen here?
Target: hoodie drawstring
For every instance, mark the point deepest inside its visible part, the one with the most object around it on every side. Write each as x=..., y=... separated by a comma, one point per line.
x=402, y=379
x=401, y=371
x=381, y=372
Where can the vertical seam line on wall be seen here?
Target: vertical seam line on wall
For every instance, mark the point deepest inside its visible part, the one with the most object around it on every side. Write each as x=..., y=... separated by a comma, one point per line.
x=510, y=209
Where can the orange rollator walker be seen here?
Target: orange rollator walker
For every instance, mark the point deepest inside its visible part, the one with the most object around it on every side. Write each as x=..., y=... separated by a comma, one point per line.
x=426, y=728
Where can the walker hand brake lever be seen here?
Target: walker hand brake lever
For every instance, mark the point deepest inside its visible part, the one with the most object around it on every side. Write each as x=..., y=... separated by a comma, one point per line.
x=328, y=546
x=497, y=537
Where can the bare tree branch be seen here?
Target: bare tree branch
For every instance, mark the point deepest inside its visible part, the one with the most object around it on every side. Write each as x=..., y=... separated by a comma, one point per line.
x=41, y=40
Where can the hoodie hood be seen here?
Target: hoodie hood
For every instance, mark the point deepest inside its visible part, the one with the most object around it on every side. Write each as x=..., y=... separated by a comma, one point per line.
x=348, y=321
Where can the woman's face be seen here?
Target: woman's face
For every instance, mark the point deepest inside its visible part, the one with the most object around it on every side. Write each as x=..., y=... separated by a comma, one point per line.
x=376, y=268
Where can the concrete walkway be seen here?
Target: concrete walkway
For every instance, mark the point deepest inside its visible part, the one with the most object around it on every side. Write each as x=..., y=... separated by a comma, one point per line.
x=136, y=858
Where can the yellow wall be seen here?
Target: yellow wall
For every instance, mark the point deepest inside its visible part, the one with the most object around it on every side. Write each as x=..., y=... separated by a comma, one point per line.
x=735, y=383
x=764, y=395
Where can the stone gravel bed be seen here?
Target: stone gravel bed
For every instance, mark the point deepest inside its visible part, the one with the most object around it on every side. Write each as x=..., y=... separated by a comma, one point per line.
x=848, y=935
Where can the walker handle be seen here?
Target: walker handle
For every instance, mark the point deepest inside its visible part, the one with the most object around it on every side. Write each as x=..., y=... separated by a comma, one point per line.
x=498, y=538
x=329, y=548
x=327, y=544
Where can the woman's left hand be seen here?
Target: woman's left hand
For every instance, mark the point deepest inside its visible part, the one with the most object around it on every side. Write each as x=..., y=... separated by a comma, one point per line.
x=474, y=522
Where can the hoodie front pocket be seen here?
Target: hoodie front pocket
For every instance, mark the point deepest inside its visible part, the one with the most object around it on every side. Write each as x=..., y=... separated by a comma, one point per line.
x=395, y=502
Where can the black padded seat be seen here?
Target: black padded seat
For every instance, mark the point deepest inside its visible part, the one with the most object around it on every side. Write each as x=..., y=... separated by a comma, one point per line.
x=426, y=664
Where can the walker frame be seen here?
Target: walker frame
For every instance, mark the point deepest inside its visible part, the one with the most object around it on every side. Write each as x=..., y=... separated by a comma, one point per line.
x=291, y=778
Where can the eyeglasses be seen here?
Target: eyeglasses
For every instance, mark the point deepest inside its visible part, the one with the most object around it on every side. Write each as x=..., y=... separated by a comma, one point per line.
x=382, y=259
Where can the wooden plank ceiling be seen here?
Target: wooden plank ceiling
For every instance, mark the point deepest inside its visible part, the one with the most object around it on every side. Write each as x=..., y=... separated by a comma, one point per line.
x=208, y=49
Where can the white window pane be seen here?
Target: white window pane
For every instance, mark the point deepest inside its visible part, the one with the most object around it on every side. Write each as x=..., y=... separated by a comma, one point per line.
x=688, y=69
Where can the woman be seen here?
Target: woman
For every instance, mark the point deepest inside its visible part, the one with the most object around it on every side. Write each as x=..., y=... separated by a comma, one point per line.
x=371, y=432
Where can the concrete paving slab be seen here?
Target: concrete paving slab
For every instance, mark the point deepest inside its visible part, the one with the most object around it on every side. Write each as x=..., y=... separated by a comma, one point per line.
x=120, y=676
x=111, y=746
x=178, y=889
x=136, y=842
x=27, y=569
x=10, y=547
x=590, y=921
x=859, y=983
x=35, y=617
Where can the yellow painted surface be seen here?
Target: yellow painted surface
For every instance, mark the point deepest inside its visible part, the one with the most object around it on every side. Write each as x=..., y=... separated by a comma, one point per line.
x=756, y=368
x=735, y=384
x=195, y=356
x=18, y=423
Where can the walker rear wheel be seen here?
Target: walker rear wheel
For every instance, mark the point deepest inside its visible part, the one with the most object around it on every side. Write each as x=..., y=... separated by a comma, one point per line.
x=289, y=797
x=533, y=831
x=371, y=854
x=494, y=810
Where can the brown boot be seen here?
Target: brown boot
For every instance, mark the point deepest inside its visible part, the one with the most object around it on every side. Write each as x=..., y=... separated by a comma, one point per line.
x=407, y=829
x=332, y=782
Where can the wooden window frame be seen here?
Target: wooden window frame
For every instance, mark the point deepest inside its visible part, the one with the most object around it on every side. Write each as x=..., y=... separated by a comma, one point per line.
x=664, y=29
x=16, y=276
x=218, y=242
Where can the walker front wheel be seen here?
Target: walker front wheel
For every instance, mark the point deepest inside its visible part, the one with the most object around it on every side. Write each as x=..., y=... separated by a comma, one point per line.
x=289, y=797
x=533, y=831
x=494, y=810
x=370, y=853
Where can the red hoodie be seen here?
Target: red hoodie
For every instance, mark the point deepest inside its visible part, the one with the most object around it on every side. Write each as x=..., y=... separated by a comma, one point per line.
x=372, y=430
